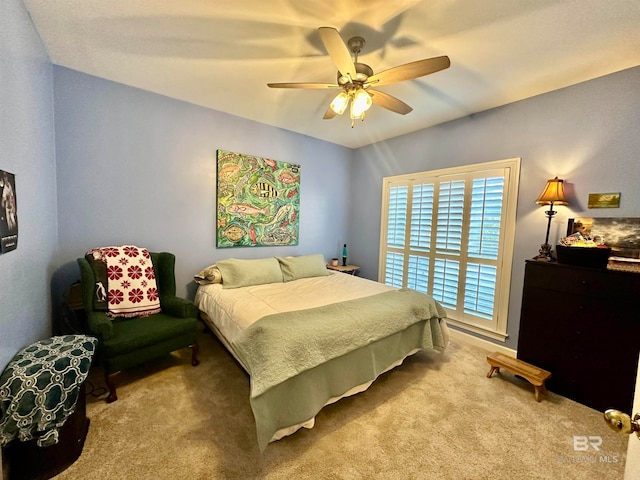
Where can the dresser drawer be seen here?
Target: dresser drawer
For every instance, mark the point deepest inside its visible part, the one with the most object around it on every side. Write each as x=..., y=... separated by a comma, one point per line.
x=592, y=282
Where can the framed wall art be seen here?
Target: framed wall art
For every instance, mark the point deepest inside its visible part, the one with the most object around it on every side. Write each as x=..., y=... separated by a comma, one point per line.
x=257, y=201
x=604, y=200
x=8, y=212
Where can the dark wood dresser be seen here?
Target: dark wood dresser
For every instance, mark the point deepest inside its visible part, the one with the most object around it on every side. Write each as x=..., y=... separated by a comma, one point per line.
x=583, y=325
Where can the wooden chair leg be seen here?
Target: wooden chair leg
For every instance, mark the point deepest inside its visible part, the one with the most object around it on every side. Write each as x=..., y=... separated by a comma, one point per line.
x=537, y=392
x=194, y=354
x=109, y=379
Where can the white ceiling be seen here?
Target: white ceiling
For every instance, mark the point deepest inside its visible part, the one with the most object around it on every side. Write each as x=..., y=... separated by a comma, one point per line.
x=221, y=53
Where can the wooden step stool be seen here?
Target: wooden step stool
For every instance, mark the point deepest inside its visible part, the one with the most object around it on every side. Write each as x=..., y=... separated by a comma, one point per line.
x=534, y=375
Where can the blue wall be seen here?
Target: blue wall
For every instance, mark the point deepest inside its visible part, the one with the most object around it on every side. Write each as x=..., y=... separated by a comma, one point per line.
x=139, y=168
x=26, y=150
x=586, y=134
x=129, y=166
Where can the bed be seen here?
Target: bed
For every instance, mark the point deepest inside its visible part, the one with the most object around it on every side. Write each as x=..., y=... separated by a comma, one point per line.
x=308, y=336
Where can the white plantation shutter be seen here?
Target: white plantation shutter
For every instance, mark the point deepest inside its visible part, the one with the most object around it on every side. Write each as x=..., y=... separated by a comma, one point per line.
x=445, y=282
x=449, y=234
x=484, y=223
x=397, y=219
x=397, y=225
x=450, y=210
x=484, y=241
x=418, y=273
x=480, y=290
x=394, y=269
x=421, y=216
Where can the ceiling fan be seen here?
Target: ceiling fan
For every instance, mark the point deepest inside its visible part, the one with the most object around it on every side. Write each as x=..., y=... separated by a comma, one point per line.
x=357, y=79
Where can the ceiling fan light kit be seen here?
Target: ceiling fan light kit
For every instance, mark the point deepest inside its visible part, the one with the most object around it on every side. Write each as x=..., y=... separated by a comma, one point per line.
x=339, y=104
x=356, y=79
x=361, y=103
x=359, y=99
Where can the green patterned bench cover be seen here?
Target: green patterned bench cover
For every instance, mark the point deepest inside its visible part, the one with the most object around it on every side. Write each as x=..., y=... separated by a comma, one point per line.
x=39, y=388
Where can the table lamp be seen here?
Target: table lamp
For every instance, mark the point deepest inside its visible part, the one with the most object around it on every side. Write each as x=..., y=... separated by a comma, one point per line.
x=553, y=193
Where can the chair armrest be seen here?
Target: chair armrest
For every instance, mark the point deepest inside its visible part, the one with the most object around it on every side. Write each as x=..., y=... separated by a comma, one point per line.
x=100, y=324
x=179, y=307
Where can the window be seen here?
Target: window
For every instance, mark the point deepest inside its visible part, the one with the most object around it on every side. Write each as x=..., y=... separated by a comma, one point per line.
x=449, y=233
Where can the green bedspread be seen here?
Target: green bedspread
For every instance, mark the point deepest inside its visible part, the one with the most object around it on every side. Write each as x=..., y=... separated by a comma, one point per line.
x=286, y=353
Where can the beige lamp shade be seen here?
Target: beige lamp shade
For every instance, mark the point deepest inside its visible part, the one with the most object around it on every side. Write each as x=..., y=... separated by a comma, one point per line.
x=553, y=193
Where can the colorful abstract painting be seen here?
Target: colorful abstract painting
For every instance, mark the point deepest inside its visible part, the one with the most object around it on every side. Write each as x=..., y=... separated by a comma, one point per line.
x=258, y=201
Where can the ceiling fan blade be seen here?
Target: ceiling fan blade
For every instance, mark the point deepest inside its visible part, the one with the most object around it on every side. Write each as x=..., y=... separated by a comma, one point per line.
x=329, y=114
x=303, y=85
x=409, y=71
x=337, y=50
x=389, y=102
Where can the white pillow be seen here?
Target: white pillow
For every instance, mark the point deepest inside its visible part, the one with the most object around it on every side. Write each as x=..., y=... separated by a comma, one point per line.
x=243, y=273
x=304, y=266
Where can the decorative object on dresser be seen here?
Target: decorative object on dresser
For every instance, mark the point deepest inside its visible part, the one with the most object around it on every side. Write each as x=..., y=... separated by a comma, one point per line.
x=580, y=248
x=596, y=257
x=553, y=193
x=580, y=324
x=621, y=234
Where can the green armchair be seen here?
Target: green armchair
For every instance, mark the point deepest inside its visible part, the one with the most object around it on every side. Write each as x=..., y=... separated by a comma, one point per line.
x=127, y=342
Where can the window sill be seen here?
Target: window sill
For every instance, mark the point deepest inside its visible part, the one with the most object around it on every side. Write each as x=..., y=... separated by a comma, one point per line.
x=501, y=336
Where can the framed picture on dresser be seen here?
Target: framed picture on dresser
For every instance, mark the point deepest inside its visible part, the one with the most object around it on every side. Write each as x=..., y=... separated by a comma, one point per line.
x=579, y=225
x=621, y=234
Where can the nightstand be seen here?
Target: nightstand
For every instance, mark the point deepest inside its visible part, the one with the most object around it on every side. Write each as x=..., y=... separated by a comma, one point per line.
x=350, y=269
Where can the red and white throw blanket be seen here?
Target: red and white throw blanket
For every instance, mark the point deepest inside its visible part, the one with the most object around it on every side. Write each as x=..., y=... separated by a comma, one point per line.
x=131, y=281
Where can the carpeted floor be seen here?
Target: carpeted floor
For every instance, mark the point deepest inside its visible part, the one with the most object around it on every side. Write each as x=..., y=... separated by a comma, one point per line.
x=435, y=417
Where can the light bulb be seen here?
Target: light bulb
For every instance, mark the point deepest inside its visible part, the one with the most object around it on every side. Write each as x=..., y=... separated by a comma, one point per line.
x=339, y=104
x=361, y=103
